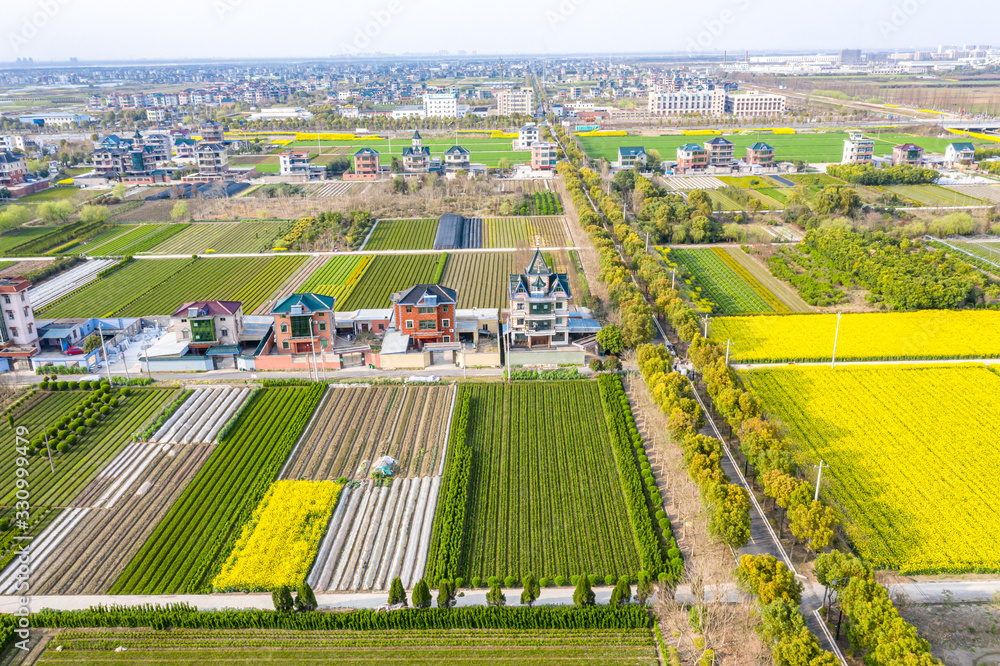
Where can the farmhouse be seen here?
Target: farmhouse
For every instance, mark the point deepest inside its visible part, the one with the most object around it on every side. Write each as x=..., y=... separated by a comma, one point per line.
x=208, y=324
x=456, y=157
x=425, y=313
x=760, y=154
x=366, y=163
x=416, y=156
x=959, y=154
x=908, y=153
x=858, y=149
x=720, y=151
x=630, y=157
x=539, y=305
x=13, y=168
x=18, y=335
x=527, y=136
x=303, y=322
x=544, y=156
x=691, y=156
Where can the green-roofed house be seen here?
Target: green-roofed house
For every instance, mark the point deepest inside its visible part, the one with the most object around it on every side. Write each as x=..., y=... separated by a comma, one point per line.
x=691, y=156
x=302, y=319
x=760, y=154
x=959, y=154
x=630, y=157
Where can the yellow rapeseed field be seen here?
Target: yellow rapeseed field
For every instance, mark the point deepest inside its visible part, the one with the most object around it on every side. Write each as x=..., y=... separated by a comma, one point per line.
x=277, y=546
x=913, y=455
x=866, y=336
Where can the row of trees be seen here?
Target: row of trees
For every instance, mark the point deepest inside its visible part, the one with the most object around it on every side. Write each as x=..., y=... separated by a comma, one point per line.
x=869, y=174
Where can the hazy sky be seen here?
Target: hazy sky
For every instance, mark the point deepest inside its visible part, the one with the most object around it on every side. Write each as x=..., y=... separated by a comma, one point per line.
x=175, y=29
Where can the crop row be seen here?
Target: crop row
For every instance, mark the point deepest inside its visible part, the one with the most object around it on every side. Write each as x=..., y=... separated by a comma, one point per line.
x=481, y=279
x=391, y=273
x=445, y=553
x=403, y=235
x=717, y=282
x=514, y=232
x=752, y=282
x=338, y=276
x=223, y=237
x=138, y=239
x=186, y=550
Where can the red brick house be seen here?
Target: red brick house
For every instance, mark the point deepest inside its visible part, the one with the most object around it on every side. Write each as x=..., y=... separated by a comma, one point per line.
x=300, y=319
x=426, y=313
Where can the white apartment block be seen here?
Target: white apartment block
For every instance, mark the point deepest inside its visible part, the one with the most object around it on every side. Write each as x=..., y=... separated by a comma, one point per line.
x=754, y=103
x=520, y=101
x=858, y=149
x=441, y=105
x=12, y=142
x=686, y=102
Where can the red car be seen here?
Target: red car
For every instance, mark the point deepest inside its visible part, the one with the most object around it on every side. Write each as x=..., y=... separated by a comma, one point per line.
x=74, y=351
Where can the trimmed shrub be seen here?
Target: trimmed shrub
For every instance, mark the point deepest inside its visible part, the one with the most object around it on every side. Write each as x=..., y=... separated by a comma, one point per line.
x=81, y=430
x=63, y=447
x=90, y=423
x=510, y=581
x=610, y=580
x=560, y=581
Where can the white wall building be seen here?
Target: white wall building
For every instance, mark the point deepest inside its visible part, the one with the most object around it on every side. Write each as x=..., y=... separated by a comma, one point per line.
x=12, y=142
x=511, y=101
x=281, y=113
x=441, y=105
x=685, y=102
x=858, y=149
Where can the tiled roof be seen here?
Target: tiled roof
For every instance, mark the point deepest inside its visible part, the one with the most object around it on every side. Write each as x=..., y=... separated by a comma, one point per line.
x=310, y=302
x=209, y=308
x=417, y=292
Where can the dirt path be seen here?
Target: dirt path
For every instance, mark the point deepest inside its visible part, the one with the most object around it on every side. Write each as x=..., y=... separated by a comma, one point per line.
x=294, y=281
x=785, y=293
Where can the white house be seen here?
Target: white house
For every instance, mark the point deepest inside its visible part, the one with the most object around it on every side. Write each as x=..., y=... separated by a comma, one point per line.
x=959, y=154
x=526, y=136
x=858, y=149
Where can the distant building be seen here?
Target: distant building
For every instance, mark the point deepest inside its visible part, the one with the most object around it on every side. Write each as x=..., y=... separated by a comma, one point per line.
x=300, y=320
x=761, y=154
x=544, y=156
x=510, y=102
x=456, y=157
x=416, y=156
x=858, y=149
x=281, y=113
x=293, y=162
x=211, y=131
x=630, y=157
x=425, y=313
x=13, y=168
x=849, y=56
x=440, y=105
x=907, y=153
x=960, y=154
x=526, y=137
x=692, y=156
x=54, y=118
x=213, y=162
x=539, y=305
x=156, y=115
x=407, y=111
x=720, y=151
x=205, y=324
x=754, y=103
x=12, y=142
x=687, y=102
x=366, y=162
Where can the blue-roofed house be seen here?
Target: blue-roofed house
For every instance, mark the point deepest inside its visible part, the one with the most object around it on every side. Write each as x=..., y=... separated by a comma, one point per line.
x=960, y=154
x=301, y=320
x=630, y=157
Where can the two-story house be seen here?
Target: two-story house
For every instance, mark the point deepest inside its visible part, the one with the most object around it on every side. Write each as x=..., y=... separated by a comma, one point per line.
x=691, y=156
x=456, y=157
x=302, y=319
x=631, y=157
x=908, y=153
x=761, y=154
x=204, y=324
x=720, y=151
x=416, y=156
x=539, y=305
x=426, y=313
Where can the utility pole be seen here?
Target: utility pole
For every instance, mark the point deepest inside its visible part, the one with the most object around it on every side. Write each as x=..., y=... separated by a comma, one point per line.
x=647, y=241
x=833, y=360
x=728, y=342
x=705, y=319
x=48, y=450
x=312, y=343
x=104, y=352
x=673, y=278
x=819, y=476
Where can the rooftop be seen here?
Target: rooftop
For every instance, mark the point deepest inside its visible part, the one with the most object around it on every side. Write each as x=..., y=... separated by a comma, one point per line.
x=310, y=302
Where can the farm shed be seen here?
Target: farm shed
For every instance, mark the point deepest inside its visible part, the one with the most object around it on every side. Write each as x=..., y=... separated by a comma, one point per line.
x=449, y=232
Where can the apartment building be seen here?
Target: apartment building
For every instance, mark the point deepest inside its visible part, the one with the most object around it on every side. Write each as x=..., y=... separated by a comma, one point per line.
x=510, y=101
x=754, y=103
x=12, y=142
x=441, y=105
x=687, y=102
x=544, y=156
x=858, y=149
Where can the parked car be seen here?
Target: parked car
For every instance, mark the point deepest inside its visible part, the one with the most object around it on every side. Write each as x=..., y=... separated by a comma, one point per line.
x=74, y=351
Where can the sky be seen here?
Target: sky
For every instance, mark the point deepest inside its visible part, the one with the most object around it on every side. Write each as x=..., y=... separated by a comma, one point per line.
x=117, y=30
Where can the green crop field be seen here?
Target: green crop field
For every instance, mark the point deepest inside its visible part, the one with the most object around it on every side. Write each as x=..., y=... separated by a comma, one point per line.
x=139, y=239
x=390, y=273
x=826, y=147
x=481, y=278
x=105, y=297
x=528, y=647
x=935, y=195
x=717, y=283
x=102, y=238
x=484, y=151
x=20, y=235
x=189, y=545
x=512, y=232
x=223, y=237
x=549, y=488
x=250, y=280
x=403, y=235
x=337, y=276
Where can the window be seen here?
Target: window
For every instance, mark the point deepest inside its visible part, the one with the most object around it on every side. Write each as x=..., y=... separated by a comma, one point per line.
x=10, y=315
x=425, y=310
x=222, y=319
x=323, y=343
x=284, y=327
x=13, y=331
x=428, y=325
x=322, y=326
x=225, y=332
x=6, y=298
x=22, y=295
x=284, y=344
x=184, y=321
x=445, y=323
x=381, y=327
x=409, y=323
x=447, y=338
x=409, y=309
x=444, y=308
x=29, y=328
x=185, y=334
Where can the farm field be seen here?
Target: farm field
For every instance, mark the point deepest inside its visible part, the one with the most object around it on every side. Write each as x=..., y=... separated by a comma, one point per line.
x=481, y=279
x=101, y=545
x=913, y=477
x=102, y=298
x=403, y=235
x=354, y=426
x=721, y=202
x=223, y=237
x=514, y=647
x=140, y=239
x=784, y=293
x=278, y=544
x=338, y=276
x=201, y=416
x=378, y=533
x=485, y=151
x=989, y=250
x=935, y=195
x=250, y=280
x=293, y=283
x=100, y=239
x=514, y=232
x=544, y=492
x=15, y=237
x=187, y=548
x=826, y=147
x=388, y=274
x=986, y=193
x=721, y=283
x=55, y=288
x=928, y=334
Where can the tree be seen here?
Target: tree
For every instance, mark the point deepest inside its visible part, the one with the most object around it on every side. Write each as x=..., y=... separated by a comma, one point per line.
x=179, y=211
x=14, y=216
x=622, y=594
x=730, y=520
x=495, y=597
x=583, y=595
x=768, y=578
x=93, y=213
x=813, y=523
x=644, y=588
x=836, y=199
x=446, y=594
x=305, y=600
x=282, y=598
x=610, y=339
x=531, y=590
x=503, y=165
x=397, y=595
x=421, y=596
x=92, y=342
x=57, y=211
x=119, y=191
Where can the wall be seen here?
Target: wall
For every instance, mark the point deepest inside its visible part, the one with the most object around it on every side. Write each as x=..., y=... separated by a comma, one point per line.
x=411, y=361
x=571, y=355
x=477, y=360
x=360, y=176
x=178, y=364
